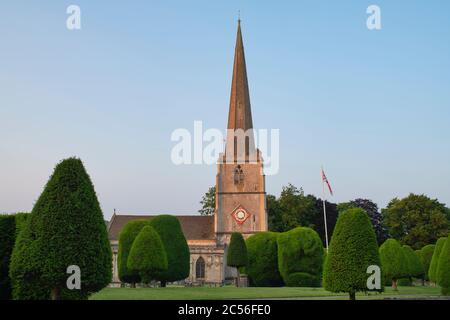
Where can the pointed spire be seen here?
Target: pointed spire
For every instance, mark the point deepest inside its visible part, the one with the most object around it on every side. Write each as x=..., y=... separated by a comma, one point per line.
x=240, y=114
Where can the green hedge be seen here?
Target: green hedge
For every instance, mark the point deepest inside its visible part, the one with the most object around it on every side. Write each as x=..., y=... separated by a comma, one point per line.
x=66, y=227
x=7, y=239
x=393, y=261
x=353, y=248
x=237, y=251
x=126, y=239
x=432, y=272
x=425, y=255
x=414, y=265
x=176, y=248
x=300, y=250
x=443, y=268
x=262, y=268
x=147, y=255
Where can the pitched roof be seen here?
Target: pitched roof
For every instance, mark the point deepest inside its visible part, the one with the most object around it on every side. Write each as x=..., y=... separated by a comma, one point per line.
x=194, y=227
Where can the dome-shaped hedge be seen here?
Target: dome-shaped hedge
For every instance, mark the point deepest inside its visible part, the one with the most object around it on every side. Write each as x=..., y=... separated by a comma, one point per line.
x=147, y=255
x=393, y=262
x=126, y=239
x=262, y=268
x=300, y=250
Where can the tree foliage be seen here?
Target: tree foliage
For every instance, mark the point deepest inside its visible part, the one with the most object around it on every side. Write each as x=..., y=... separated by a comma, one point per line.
x=177, y=250
x=237, y=251
x=126, y=239
x=300, y=257
x=414, y=265
x=208, y=202
x=443, y=268
x=432, y=271
x=294, y=209
x=393, y=261
x=416, y=220
x=66, y=227
x=262, y=268
x=425, y=255
x=371, y=208
x=352, y=250
x=7, y=239
x=147, y=255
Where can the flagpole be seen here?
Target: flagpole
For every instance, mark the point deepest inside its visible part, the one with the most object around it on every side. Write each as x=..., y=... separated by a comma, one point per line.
x=324, y=210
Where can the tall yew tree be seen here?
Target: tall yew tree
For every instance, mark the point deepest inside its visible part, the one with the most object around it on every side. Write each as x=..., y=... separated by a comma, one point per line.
x=169, y=229
x=352, y=250
x=65, y=228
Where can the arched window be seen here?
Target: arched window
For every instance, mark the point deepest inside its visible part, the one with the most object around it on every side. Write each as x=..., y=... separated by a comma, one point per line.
x=238, y=175
x=200, y=268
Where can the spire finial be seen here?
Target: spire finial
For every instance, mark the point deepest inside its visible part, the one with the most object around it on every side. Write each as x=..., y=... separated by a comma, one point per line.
x=239, y=16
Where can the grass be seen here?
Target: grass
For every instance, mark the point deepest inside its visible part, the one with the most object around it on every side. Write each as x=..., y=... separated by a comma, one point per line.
x=220, y=293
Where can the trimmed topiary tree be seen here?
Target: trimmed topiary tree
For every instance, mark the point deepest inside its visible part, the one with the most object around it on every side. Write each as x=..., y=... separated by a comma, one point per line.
x=147, y=255
x=393, y=262
x=7, y=239
x=432, y=272
x=414, y=265
x=443, y=268
x=126, y=239
x=425, y=255
x=237, y=253
x=352, y=250
x=262, y=268
x=176, y=247
x=300, y=257
x=65, y=228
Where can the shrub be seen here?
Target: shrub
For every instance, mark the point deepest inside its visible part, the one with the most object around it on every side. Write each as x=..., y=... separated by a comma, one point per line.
x=300, y=250
x=414, y=265
x=352, y=250
x=432, y=272
x=66, y=227
x=302, y=279
x=237, y=251
x=393, y=262
x=147, y=255
x=126, y=239
x=176, y=247
x=425, y=255
x=443, y=268
x=262, y=268
x=7, y=238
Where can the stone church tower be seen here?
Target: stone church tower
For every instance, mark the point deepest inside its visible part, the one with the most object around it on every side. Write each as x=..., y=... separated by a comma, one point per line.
x=240, y=194
x=240, y=181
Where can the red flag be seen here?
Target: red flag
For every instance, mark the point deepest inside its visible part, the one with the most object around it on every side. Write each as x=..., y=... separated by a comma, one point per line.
x=324, y=179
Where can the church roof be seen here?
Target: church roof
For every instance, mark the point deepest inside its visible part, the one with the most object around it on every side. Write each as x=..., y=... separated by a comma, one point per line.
x=194, y=227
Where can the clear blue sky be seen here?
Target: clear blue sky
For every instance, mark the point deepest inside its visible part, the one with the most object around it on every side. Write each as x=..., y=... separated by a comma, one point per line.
x=372, y=106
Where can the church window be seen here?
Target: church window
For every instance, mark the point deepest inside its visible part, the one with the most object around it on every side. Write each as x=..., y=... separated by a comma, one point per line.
x=200, y=268
x=238, y=175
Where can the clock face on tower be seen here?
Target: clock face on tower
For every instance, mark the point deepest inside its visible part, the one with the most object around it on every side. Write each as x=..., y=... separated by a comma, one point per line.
x=240, y=215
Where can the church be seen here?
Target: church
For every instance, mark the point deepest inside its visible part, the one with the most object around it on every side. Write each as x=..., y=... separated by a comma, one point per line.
x=240, y=193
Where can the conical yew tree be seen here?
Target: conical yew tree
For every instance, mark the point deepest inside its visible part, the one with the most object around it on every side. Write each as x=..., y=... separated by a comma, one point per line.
x=352, y=250
x=66, y=228
x=126, y=239
x=147, y=255
x=169, y=230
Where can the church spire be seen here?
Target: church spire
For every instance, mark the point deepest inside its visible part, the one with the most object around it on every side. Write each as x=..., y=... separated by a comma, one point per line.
x=240, y=114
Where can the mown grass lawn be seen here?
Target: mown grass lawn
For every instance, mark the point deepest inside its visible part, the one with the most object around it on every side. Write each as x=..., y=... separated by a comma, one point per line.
x=207, y=293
